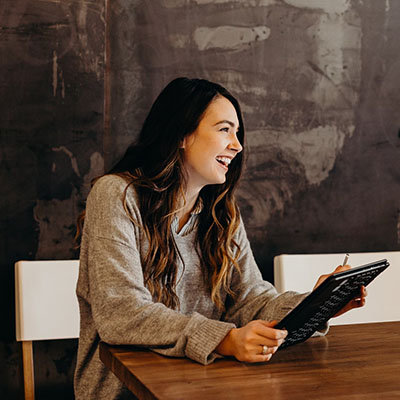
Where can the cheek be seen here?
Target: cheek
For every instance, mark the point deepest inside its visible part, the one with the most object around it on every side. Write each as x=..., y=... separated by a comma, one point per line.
x=215, y=145
x=194, y=158
x=203, y=149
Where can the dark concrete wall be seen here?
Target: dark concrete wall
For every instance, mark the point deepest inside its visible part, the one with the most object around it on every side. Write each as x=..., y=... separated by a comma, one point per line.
x=318, y=82
x=319, y=86
x=51, y=142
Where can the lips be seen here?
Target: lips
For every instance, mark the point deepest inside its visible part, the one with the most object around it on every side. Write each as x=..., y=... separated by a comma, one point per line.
x=224, y=161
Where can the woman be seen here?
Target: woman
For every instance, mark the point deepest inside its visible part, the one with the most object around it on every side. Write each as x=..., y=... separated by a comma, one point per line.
x=165, y=262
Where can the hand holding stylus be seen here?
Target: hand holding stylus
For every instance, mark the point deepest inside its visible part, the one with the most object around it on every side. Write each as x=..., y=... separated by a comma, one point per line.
x=356, y=302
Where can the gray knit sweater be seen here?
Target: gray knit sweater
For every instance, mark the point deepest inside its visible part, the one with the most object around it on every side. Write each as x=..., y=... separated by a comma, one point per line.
x=117, y=308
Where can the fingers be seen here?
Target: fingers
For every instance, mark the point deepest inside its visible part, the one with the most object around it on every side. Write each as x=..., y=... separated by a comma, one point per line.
x=257, y=341
x=268, y=335
x=267, y=323
x=361, y=300
x=363, y=293
x=257, y=358
x=357, y=302
x=341, y=268
x=256, y=353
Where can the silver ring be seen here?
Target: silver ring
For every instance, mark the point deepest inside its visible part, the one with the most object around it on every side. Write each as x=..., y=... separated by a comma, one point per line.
x=264, y=350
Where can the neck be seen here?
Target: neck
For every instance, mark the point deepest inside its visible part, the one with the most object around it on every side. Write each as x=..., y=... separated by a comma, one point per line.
x=186, y=206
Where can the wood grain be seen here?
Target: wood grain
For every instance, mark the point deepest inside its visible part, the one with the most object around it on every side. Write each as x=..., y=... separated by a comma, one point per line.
x=351, y=362
x=29, y=375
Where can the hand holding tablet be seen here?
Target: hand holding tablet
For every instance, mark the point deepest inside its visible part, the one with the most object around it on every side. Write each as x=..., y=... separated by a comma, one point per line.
x=357, y=301
x=328, y=299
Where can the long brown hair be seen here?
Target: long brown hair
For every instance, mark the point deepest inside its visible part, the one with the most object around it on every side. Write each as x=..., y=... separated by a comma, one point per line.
x=154, y=166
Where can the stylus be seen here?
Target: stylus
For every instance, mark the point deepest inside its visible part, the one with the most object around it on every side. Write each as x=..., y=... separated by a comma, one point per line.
x=346, y=258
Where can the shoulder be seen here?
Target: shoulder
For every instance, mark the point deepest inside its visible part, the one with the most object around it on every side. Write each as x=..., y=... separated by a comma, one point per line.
x=111, y=210
x=111, y=187
x=110, y=192
x=109, y=184
x=241, y=234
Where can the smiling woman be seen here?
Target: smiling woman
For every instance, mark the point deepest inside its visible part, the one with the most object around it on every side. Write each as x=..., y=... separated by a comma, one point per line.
x=165, y=262
x=209, y=150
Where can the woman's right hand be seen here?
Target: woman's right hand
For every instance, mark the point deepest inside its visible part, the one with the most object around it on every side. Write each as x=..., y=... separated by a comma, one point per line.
x=247, y=343
x=356, y=302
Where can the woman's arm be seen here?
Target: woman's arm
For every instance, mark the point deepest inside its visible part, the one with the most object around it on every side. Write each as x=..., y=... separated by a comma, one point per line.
x=112, y=287
x=257, y=299
x=254, y=297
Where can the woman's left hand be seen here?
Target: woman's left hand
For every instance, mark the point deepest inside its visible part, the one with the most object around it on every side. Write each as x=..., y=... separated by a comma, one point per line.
x=356, y=302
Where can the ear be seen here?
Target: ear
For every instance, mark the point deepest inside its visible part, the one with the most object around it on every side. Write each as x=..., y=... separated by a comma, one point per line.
x=183, y=143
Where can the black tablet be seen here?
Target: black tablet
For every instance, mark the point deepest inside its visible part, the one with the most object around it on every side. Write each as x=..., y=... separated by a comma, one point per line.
x=326, y=300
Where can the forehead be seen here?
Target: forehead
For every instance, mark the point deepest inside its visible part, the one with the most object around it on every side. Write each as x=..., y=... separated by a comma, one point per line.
x=221, y=109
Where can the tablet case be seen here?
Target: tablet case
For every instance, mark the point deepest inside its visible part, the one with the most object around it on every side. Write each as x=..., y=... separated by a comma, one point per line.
x=326, y=300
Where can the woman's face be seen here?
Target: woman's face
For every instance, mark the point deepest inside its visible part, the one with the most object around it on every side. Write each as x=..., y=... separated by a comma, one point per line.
x=209, y=150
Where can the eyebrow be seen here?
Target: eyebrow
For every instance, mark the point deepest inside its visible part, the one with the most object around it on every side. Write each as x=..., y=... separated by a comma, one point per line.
x=225, y=121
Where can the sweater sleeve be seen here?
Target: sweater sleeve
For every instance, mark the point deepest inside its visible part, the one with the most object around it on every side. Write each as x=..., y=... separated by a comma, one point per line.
x=254, y=297
x=122, y=308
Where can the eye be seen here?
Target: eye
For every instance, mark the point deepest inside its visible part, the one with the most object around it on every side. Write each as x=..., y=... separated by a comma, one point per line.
x=225, y=129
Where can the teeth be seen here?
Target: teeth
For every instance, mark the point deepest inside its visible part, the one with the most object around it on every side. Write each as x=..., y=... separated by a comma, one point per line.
x=225, y=160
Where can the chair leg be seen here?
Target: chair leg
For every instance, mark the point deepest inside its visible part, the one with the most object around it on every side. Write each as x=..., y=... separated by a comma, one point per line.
x=29, y=376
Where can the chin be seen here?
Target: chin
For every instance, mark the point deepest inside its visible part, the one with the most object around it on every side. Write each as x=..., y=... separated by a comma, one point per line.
x=221, y=181
x=217, y=180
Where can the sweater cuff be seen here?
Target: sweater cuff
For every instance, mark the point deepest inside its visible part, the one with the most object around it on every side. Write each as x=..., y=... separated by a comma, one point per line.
x=322, y=330
x=206, y=335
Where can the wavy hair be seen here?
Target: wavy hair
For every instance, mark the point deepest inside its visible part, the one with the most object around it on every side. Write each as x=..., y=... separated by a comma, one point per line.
x=154, y=166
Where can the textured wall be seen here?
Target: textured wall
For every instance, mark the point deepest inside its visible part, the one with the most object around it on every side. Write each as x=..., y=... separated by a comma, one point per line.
x=318, y=81
x=51, y=141
x=355, y=206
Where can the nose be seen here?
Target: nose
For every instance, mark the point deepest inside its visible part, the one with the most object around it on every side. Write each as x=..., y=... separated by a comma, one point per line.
x=235, y=144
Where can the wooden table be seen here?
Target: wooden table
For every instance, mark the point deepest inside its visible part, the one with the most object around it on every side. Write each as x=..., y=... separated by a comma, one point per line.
x=351, y=362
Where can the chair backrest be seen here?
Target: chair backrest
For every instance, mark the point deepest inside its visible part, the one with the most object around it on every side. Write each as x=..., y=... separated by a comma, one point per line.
x=46, y=306
x=300, y=272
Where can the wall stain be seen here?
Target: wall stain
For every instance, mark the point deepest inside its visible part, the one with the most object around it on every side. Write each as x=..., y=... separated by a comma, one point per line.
x=229, y=37
x=74, y=162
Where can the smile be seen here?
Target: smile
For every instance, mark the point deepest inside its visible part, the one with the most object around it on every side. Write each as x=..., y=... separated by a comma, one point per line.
x=224, y=161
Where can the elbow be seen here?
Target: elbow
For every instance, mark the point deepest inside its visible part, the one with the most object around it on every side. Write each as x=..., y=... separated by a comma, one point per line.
x=109, y=333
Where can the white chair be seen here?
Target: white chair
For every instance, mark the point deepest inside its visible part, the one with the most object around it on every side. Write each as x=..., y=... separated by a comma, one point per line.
x=46, y=307
x=300, y=272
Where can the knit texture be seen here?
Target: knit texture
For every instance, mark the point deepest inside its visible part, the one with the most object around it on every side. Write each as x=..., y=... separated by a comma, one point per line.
x=117, y=308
